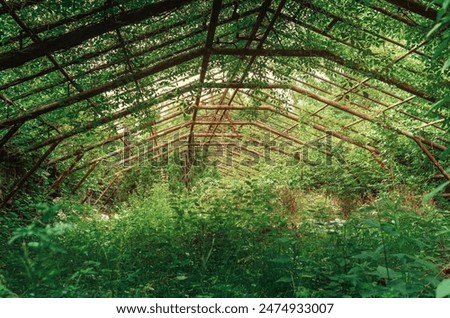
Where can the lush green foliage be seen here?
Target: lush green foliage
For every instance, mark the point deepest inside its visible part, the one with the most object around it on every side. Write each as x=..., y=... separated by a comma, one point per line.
x=441, y=30
x=225, y=238
x=360, y=215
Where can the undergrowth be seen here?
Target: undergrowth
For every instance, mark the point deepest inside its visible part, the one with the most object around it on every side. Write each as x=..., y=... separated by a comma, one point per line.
x=227, y=238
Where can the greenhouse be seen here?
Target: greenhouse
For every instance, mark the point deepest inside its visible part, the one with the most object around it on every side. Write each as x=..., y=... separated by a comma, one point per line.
x=224, y=148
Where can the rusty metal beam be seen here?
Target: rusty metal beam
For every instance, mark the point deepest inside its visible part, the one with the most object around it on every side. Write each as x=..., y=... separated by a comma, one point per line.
x=9, y=134
x=115, y=137
x=37, y=40
x=20, y=4
x=350, y=23
x=252, y=37
x=331, y=57
x=215, y=11
x=432, y=158
x=150, y=138
x=264, y=8
x=388, y=93
x=25, y=177
x=337, y=105
x=66, y=172
x=86, y=175
x=416, y=7
x=110, y=184
x=392, y=15
x=296, y=118
x=134, y=40
x=82, y=34
x=52, y=25
x=123, y=80
x=107, y=119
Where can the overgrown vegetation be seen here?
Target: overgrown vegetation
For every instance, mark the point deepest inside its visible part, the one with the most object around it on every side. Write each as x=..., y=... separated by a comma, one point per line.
x=266, y=236
x=224, y=148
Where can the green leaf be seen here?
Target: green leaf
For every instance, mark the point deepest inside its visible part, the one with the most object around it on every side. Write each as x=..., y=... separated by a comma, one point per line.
x=425, y=264
x=284, y=279
x=444, y=154
x=372, y=223
x=284, y=239
x=389, y=229
x=441, y=47
x=386, y=272
x=434, y=29
x=446, y=65
x=367, y=255
x=282, y=260
x=367, y=209
x=443, y=289
x=446, y=5
x=435, y=191
x=442, y=232
x=441, y=103
x=181, y=277
x=400, y=286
